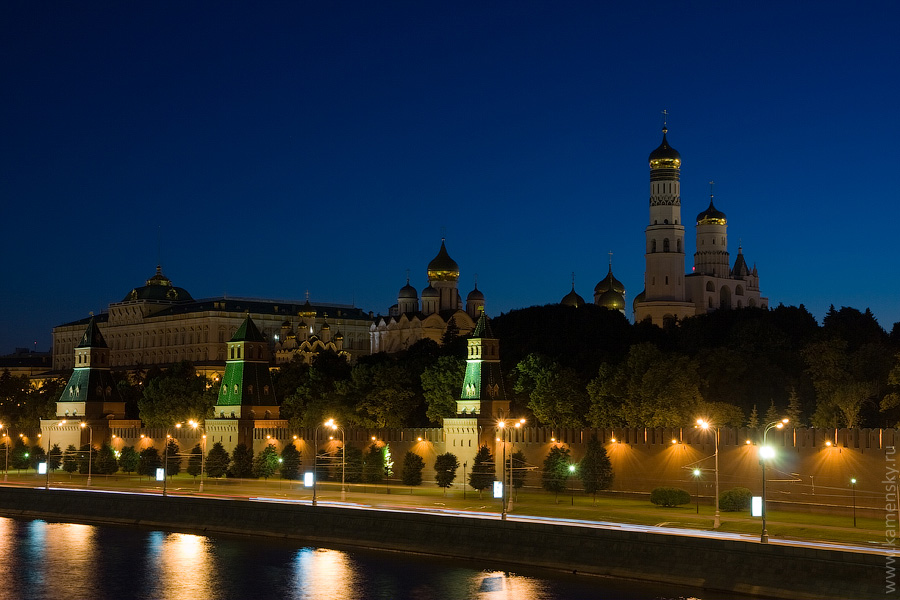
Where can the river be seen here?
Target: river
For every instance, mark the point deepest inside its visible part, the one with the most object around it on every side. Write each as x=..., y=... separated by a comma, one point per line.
x=61, y=561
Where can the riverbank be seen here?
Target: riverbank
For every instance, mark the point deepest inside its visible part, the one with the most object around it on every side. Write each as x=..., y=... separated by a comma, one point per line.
x=724, y=565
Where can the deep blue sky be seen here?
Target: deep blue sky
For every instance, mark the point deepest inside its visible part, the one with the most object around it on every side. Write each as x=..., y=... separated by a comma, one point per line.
x=323, y=146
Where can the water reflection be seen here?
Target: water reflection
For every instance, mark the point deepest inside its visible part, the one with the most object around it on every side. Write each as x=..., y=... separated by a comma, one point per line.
x=320, y=573
x=59, y=561
x=179, y=565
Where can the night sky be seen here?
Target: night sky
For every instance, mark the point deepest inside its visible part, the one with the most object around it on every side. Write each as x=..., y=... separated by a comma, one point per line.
x=327, y=146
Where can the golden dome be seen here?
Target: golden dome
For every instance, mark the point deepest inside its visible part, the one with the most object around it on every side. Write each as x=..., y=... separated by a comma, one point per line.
x=612, y=300
x=665, y=156
x=442, y=267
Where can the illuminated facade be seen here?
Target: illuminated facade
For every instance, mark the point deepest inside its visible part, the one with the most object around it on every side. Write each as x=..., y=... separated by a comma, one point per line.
x=160, y=324
x=669, y=295
x=406, y=324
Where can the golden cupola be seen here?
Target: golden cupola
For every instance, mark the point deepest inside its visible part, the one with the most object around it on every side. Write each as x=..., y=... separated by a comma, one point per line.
x=442, y=267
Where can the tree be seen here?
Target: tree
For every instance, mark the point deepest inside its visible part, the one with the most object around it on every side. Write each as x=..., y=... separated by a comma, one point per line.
x=55, y=457
x=556, y=470
x=388, y=462
x=128, y=459
x=753, y=421
x=556, y=394
x=195, y=462
x=173, y=459
x=87, y=459
x=412, y=469
x=217, y=461
x=772, y=413
x=242, y=461
x=518, y=469
x=445, y=466
x=176, y=395
x=149, y=461
x=353, y=463
x=106, y=460
x=373, y=465
x=649, y=389
x=36, y=455
x=482, y=475
x=70, y=459
x=290, y=462
x=18, y=456
x=266, y=462
x=794, y=409
x=596, y=469
x=441, y=383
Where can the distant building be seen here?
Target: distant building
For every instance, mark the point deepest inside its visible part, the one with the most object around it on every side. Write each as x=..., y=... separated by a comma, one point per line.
x=159, y=324
x=441, y=306
x=669, y=294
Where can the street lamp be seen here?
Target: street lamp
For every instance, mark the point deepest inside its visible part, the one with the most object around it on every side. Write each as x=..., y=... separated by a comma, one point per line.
x=335, y=427
x=6, y=445
x=90, y=449
x=853, y=488
x=766, y=453
x=697, y=477
x=504, y=500
x=195, y=425
x=60, y=424
x=572, y=472
x=166, y=460
x=705, y=426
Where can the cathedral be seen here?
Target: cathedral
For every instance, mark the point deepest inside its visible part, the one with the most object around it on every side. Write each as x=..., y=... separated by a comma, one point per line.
x=669, y=294
x=441, y=306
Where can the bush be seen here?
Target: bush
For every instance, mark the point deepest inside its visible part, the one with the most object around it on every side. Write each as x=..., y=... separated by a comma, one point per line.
x=735, y=499
x=665, y=496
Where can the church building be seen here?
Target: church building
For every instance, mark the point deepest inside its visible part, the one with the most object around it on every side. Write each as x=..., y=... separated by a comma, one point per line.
x=441, y=308
x=669, y=294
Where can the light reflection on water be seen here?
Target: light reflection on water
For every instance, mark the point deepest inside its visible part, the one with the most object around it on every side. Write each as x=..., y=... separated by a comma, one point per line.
x=63, y=561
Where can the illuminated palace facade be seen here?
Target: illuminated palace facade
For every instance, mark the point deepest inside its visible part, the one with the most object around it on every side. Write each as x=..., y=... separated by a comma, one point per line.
x=161, y=324
x=669, y=294
x=441, y=304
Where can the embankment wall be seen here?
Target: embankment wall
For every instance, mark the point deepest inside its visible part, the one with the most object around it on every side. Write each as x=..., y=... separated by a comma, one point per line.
x=772, y=571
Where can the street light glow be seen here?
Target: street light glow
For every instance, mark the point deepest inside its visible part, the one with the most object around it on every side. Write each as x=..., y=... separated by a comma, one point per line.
x=767, y=452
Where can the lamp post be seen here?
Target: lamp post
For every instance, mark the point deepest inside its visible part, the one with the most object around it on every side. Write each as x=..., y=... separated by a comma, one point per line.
x=572, y=472
x=6, y=445
x=60, y=424
x=195, y=425
x=705, y=425
x=335, y=427
x=90, y=449
x=766, y=453
x=512, y=470
x=853, y=488
x=504, y=500
x=166, y=460
x=697, y=477
x=465, y=464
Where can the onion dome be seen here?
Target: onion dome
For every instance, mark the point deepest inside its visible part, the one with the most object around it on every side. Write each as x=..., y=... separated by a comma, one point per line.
x=286, y=323
x=612, y=300
x=711, y=216
x=339, y=335
x=572, y=299
x=609, y=283
x=665, y=155
x=407, y=291
x=307, y=310
x=475, y=295
x=159, y=288
x=637, y=300
x=442, y=267
x=325, y=327
x=430, y=292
